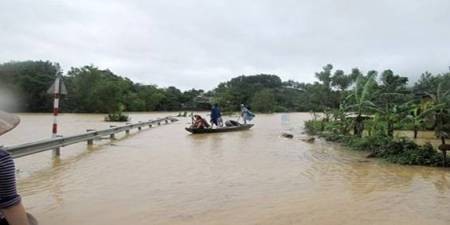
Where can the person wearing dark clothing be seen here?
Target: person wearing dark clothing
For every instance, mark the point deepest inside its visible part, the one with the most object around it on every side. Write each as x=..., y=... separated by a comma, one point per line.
x=10, y=201
x=216, y=116
x=12, y=211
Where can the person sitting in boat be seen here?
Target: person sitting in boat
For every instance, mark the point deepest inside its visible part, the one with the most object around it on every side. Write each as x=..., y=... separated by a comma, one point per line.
x=216, y=116
x=199, y=122
x=246, y=114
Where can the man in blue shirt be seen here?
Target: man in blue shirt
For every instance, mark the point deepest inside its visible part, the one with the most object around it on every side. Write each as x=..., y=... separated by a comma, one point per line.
x=216, y=116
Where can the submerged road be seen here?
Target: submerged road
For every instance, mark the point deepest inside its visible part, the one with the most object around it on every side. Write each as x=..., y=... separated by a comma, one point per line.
x=168, y=176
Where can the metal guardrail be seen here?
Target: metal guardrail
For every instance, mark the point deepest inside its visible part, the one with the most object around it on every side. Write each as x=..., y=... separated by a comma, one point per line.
x=21, y=150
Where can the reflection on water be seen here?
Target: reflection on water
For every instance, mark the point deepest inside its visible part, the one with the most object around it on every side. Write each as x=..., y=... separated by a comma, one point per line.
x=165, y=175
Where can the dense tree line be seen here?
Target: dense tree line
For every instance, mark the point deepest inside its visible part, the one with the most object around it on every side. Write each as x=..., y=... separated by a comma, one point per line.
x=91, y=89
x=29, y=81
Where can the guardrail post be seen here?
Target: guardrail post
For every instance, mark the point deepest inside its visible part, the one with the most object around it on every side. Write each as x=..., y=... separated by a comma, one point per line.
x=127, y=131
x=112, y=136
x=56, y=152
x=139, y=126
x=90, y=141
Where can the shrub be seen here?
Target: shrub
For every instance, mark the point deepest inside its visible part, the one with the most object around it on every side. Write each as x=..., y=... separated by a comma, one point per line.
x=116, y=117
x=313, y=127
x=397, y=151
x=408, y=152
x=369, y=143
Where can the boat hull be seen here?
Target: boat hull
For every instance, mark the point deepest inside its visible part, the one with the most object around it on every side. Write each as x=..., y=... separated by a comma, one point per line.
x=220, y=129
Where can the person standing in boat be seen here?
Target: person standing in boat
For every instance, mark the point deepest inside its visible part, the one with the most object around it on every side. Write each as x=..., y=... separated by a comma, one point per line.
x=12, y=211
x=216, y=116
x=246, y=114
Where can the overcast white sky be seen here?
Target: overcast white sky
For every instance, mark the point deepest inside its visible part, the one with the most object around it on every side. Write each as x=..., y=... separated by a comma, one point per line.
x=197, y=44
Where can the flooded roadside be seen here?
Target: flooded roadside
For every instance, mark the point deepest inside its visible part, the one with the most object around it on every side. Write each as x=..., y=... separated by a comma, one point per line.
x=165, y=175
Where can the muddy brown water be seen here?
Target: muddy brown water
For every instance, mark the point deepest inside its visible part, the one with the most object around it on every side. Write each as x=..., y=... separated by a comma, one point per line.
x=164, y=175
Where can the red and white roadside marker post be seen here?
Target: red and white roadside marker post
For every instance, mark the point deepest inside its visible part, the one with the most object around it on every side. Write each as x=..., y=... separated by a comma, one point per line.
x=57, y=90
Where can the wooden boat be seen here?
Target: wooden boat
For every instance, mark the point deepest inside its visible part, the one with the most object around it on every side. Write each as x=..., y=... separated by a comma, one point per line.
x=219, y=129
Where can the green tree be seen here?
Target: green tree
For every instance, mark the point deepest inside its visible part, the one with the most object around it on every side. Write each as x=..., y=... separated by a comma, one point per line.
x=263, y=101
x=440, y=101
x=189, y=99
x=429, y=83
x=172, y=99
x=30, y=80
x=418, y=113
x=357, y=73
x=325, y=75
x=94, y=90
x=341, y=81
x=241, y=89
x=392, y=93
x=361, y=96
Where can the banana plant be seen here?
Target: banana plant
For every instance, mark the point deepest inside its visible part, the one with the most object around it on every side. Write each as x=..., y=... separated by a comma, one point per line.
x=392, y=113
x=340, y=117
x=418, y=113
x=440, y=101
x=375, y=125
x=361, y=96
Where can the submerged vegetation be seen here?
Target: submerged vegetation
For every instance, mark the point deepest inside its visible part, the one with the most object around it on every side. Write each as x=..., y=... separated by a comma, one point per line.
x=401, y=150
x=368, y=114
x=117, y=115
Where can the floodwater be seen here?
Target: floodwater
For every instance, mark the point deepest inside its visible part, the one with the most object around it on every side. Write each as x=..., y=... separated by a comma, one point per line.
x=164, y=175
